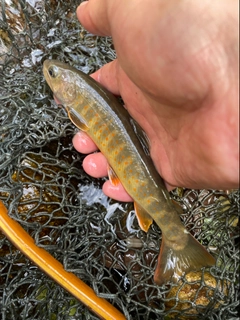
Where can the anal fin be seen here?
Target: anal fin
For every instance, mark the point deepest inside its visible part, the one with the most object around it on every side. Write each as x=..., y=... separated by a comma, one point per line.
x=177, y=206
x=144, y=219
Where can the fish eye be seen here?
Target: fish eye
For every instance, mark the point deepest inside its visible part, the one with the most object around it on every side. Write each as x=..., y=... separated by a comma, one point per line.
x=53, y=71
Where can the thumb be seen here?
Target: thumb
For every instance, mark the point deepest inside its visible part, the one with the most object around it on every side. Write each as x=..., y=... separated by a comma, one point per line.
x=93, y=15
x=107, y=76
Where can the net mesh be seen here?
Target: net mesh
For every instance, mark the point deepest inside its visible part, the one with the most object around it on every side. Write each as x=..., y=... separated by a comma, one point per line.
x=46, y=190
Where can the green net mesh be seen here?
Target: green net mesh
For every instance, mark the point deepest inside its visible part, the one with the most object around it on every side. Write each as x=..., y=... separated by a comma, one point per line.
x=45, y=189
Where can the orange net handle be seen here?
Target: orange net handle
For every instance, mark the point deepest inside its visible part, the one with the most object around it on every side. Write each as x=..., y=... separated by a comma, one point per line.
x=53, y=268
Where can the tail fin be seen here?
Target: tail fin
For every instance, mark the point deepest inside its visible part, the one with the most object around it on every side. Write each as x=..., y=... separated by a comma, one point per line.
x=172, y=264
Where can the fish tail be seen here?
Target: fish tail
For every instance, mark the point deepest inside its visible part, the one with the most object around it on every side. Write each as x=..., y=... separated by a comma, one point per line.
x=172, y=263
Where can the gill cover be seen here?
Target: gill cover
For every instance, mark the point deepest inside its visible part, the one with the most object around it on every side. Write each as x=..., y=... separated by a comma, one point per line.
x=61, y=81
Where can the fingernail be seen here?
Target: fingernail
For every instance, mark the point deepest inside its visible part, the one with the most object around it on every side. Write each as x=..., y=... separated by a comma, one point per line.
x=81, y=137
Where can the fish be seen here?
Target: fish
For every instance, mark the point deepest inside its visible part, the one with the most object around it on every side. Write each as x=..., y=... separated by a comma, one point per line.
x=97, y=112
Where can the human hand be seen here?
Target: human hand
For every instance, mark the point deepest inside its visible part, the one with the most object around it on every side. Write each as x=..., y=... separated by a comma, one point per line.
x=177, y=73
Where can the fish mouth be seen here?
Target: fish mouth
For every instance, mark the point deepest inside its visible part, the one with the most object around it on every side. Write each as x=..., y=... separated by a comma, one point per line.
x=58, y=102
x=46, y=65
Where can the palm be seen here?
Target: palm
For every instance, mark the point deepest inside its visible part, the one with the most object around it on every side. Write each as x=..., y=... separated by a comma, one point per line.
x=187, y=141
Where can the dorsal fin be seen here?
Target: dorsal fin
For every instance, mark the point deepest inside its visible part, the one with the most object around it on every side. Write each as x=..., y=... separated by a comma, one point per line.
x=141, y=135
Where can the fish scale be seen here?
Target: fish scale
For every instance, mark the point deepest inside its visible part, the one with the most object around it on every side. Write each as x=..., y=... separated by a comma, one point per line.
x=97, y=112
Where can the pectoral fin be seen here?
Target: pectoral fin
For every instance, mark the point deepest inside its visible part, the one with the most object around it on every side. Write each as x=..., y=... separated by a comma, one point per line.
x=173, y=264
x=144, y=219
x=76, y=119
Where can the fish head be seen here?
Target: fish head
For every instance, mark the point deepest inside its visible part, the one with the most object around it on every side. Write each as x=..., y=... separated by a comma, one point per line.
x=61, y=80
